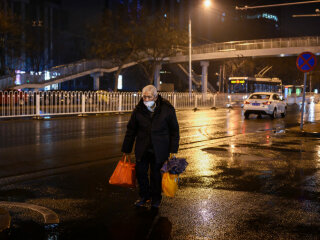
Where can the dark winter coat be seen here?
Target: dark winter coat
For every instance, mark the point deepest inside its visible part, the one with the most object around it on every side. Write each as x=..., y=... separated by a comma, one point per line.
x=158, y=131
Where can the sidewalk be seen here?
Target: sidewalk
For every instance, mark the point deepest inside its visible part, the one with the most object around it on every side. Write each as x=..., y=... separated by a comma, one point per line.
x=312, y=129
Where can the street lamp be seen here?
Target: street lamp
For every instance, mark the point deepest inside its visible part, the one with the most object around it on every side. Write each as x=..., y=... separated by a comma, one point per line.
x=206, y=4
x=190, y=65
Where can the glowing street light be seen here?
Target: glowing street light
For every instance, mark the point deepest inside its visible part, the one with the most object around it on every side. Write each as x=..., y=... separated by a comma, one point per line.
x=206, y=4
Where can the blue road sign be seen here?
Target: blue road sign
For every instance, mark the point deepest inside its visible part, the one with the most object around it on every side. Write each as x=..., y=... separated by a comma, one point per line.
x=306, y=61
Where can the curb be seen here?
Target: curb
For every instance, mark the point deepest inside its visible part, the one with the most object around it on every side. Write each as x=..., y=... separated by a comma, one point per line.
x=308, y=130
x=306, y=134
x=49, y=216
x=5, y=219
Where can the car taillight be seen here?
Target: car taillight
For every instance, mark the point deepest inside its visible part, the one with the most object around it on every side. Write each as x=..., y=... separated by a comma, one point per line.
x=246, y=102
x=267, y=103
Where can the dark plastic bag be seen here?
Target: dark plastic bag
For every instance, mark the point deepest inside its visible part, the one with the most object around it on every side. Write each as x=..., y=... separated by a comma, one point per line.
x=174, y=165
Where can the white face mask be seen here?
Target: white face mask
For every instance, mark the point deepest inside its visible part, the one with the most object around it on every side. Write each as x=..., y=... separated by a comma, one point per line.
x=149, y=104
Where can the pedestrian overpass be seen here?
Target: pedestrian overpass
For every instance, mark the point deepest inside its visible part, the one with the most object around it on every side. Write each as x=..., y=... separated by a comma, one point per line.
x=281, y=47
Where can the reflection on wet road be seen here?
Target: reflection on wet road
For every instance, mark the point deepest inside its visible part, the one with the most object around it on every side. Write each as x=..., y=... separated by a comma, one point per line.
x=246, y=179
x=258, y=185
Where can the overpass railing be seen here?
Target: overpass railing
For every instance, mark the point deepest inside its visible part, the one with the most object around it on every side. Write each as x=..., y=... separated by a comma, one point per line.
x=54, y=73
x=85, y=66
x=52, y=103
x=257, y=44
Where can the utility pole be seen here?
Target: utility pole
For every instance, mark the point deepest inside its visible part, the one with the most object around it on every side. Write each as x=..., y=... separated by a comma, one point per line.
x=310, y=89
x=220, y=78
x=223, y=76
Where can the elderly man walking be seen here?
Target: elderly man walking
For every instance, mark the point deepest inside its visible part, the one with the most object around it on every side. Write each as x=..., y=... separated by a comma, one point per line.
x=154, y=127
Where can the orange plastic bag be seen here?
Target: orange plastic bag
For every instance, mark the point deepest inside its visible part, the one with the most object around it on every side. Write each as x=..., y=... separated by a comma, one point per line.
x=169, y=184
x=124, y=174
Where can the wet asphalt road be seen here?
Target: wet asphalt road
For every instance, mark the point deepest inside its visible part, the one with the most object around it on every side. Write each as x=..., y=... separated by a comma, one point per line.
x=246, y=179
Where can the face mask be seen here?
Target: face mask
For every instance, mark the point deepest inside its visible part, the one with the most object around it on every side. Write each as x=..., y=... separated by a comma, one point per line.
x=149, y=104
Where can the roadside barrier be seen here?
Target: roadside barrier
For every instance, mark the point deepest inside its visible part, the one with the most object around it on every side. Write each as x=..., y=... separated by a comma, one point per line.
x=51, y=103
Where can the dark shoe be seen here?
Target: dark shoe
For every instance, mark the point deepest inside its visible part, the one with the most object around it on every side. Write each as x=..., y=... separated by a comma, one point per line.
x=141, y=202
x=155, y=204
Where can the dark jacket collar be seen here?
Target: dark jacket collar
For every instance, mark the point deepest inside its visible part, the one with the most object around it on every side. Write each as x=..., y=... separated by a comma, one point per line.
x=141, y=107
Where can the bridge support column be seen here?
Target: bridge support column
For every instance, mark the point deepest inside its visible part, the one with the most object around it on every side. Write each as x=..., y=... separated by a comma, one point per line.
x=204, y=76
x=157, y=76
x=96, y=80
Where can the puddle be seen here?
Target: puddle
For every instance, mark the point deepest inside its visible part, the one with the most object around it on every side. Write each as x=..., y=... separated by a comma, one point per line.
x=270, y=148
x=245, y=157
x=215, y=149
x=52, y=231
x=222, y=148
x=287, y=143
x=224, y=145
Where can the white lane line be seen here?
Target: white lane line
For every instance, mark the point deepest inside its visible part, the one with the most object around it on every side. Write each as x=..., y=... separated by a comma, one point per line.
x=50, y=217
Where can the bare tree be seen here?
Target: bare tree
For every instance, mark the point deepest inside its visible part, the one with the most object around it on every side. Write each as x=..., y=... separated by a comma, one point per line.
x=10, y=39
x=35, y=47
x=132, y=35
x=240, y=66
x=162, y=39
x=117, y=38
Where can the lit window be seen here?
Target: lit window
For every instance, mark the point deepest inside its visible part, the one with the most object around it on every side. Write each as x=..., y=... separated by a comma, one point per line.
x=46, y=75
x=120, y=82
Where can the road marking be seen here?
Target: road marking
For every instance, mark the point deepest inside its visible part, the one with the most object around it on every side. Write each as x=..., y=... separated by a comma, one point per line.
x=50, y=217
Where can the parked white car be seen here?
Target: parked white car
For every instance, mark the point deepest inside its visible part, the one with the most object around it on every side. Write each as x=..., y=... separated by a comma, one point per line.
x=264, y=103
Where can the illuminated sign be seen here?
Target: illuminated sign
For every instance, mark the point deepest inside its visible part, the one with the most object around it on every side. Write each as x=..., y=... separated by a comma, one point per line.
x=237, y=81
x=120, y=82
x=270, y=16
x=264, y=15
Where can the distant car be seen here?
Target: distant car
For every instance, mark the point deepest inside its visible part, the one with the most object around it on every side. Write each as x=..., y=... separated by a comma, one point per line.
x=265, y=103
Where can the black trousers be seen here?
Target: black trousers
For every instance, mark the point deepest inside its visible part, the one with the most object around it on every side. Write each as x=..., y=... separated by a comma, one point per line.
x=149, y=189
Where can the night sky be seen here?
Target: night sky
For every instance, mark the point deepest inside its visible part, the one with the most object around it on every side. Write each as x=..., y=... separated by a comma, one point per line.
x=221, y=23
x=290, y=26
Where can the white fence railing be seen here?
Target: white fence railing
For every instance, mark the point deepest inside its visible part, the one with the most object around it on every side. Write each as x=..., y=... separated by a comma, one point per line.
x=36, y=104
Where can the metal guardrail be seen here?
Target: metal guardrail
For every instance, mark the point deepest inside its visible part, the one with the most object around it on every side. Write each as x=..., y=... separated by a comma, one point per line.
x=41, y=104
x=50, y=103
x=257, y=44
